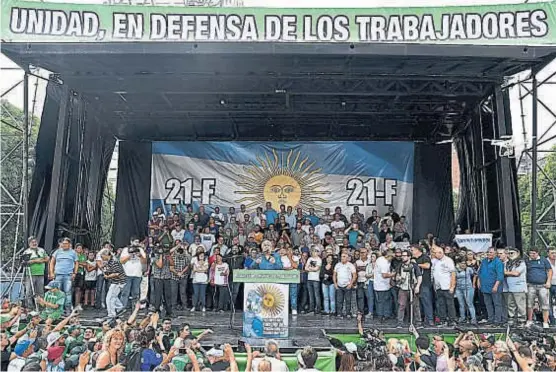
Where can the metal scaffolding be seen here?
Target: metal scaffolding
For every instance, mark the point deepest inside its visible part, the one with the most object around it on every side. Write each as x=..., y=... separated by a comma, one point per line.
x=14, y=208
x=543, y=222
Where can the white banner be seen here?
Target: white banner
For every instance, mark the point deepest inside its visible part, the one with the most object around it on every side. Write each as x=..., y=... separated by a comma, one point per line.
x=369, y=175
x=265, y=310
x=475, y=242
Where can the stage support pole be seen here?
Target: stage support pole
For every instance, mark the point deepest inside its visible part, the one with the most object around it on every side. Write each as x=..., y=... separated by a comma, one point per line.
x=534, y=170
x=505, y=200
x=53, y=201
x=26, y=134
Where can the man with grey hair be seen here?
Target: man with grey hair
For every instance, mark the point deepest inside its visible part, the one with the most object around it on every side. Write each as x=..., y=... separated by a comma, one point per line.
x=306, y=359
x=272, y=355
x=515, y=273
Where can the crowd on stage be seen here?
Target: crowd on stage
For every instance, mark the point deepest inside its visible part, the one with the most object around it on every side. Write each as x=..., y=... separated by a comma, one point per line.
x=362, y=267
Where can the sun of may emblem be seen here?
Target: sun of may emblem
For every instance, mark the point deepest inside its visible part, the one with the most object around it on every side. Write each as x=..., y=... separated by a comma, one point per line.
x=288, y=179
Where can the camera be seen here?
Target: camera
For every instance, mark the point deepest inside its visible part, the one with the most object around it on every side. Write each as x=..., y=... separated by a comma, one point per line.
x=159, y=250
x=133, y=249
x=180, y=250
x=26, y=257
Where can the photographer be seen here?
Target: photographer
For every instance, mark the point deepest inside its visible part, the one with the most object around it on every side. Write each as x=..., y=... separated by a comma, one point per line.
x=132, y=258
x=162, y=278
x=36, y=258
x=408, y=279
x=179, y=267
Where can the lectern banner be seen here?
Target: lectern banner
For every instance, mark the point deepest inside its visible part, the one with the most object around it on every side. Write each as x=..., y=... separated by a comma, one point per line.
x=265, y=310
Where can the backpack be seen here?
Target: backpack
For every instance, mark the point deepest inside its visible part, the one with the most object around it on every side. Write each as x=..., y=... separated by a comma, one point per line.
x=134, y=359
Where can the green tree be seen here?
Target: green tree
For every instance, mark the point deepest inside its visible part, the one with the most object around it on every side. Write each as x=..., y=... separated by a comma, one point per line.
x=11, y=134
x=546, y=194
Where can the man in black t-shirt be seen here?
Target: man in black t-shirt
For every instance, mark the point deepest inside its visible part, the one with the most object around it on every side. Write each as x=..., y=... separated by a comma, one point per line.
x=425, y=295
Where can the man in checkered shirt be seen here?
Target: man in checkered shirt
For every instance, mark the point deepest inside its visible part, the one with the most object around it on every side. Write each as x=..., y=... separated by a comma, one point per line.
x=179, y=267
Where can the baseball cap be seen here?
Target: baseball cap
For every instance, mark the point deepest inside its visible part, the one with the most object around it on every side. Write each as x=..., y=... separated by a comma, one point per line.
x=52, y=338
x=34, y=314
x=215, y=353
x=54, y=352
x=21, y=346
x=52, y=284
x=490, y=338
x=351, y=347
x=513, y=249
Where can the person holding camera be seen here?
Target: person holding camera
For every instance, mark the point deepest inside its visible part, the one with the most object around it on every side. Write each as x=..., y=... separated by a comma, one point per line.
x=162, y=278
x=179, y=267
x=36, y=258
x=132, y=258
x=408, y=279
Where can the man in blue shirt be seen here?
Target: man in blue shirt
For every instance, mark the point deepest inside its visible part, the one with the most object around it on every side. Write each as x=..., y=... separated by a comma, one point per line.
x=271, y=214
x=269, y=261
x=189, y=235
x=491, y=276
x=63, y=268
x=539, y=279
x=313, y=217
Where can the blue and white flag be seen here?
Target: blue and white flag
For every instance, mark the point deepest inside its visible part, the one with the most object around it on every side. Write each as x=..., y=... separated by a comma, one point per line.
x=370, y=175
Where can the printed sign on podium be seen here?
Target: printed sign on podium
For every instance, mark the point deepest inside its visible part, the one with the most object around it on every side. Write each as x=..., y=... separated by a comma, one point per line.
x=266, y=302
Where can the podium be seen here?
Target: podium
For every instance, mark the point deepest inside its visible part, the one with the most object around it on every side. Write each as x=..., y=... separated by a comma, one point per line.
x=266, y=301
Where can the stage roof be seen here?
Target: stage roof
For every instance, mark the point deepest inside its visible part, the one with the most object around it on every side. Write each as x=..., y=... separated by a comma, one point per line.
x=274, y=90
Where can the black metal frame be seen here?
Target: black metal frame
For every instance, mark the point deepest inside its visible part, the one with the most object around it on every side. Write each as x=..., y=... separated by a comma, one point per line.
x=343, y=106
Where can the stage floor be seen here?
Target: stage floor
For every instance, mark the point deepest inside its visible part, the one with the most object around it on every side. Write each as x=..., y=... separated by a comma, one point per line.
x=305, y=329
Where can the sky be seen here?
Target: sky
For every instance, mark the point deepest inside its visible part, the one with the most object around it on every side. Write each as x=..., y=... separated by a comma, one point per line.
x=519, y=123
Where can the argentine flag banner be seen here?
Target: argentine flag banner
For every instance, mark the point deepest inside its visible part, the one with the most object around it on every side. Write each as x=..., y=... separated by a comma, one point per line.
x=319, y=175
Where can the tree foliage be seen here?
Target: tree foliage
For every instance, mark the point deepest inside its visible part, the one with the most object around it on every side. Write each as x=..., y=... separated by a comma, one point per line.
x=11, y=130
x=546, y=194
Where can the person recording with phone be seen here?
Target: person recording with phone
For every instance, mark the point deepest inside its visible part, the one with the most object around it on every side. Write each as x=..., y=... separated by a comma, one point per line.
x=180, y=269
x=132, y=258
x=162, y=278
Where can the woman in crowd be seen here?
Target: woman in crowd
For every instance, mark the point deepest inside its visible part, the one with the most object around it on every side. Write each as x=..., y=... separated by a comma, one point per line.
x=328, y=290
x=200, y=268
x=465, y=291
x=113, y=347
x=90, y=280
x=370, y=275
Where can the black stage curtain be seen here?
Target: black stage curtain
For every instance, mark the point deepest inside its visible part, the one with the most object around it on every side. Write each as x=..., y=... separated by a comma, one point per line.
x=86, y=149
x=44, y=155
x=433, y=209
x=131, y=213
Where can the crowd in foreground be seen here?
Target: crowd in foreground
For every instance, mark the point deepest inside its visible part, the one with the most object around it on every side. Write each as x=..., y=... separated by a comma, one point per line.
x=145, y=342
x=362, y=266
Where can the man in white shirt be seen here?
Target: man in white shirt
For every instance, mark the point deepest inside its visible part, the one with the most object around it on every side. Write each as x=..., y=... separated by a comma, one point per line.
x=361, y=267
x=337, y=224
x=444, y=277
x=132, y=259
x=218, y=217
x=344, y=278
x=178, y=233
x=313, y=266
x=382, y=286
x=272, y=355
x=321, y=229
x=22, y=350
